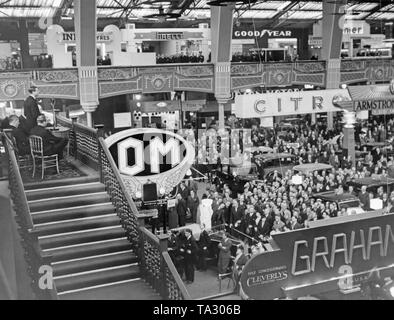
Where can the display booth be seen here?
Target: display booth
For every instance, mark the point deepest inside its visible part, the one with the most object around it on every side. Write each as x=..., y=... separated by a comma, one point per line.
x=168, y=41
x=357, y=41
x=62, y=45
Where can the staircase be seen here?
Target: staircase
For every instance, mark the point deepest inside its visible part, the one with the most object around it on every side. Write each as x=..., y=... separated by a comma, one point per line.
x=77, y=225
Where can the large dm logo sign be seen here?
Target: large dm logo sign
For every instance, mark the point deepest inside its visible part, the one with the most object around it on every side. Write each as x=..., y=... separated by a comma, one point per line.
x=162, y=157
x=317, y=260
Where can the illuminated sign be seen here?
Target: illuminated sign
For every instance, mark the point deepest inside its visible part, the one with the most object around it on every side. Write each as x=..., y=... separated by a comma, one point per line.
x=262, y=33
x=322, y=259
x=162, y=157
x=69, y=37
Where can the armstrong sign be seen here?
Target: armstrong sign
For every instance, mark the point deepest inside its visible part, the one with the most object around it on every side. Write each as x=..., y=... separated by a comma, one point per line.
x=159, y=156
x=322, y=259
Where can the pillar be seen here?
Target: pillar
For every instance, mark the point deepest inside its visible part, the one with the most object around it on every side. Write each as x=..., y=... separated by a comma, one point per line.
x=24, y=44
x=333, y=17
x=349, y=142
x=221, y=113
x=85, y=35
x=221, y=35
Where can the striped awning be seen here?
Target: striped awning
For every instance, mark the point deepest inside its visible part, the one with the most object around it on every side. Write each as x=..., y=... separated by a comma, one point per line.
x=371, y=92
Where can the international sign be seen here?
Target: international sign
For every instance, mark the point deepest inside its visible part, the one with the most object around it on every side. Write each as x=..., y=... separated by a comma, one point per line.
x=311, y=261
x=150, y=155
x=69, y=37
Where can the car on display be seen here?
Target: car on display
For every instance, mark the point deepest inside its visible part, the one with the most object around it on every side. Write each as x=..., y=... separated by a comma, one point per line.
x=311, y=167
x=275, y=162
x=373, y=184
x=345, y=200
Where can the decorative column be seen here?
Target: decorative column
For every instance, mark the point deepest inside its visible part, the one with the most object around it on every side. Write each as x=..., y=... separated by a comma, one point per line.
x=333, y=20
x=349, y=143
x=221, y=35
x=85, y=35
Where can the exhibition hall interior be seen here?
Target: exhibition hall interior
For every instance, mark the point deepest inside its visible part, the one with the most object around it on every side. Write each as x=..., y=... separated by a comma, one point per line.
x=196, y=150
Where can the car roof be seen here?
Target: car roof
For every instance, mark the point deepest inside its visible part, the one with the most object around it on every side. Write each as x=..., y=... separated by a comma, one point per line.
x=310, y=167
x=371, y=182
x=333, y=197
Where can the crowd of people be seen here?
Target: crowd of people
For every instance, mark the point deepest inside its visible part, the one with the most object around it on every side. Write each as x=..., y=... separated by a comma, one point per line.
x=10, y=63
x=276, y=204
x=180, y=58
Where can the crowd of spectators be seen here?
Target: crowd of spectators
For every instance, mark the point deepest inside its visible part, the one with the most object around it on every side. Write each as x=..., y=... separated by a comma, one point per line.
x=273, y=205
x=11, y=63
x=180, y=58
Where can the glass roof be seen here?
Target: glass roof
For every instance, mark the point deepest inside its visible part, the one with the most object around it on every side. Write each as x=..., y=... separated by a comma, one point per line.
x=263, y=9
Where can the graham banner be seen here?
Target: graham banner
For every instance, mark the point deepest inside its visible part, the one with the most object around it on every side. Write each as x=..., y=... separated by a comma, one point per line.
x=321, y=259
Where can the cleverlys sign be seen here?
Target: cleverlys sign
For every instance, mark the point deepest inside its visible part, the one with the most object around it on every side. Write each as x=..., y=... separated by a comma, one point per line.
x=159, y=156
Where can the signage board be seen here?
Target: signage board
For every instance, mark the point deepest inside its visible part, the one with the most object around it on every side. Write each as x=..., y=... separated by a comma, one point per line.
x=168, y=106
x=147, y=155
x=376, y=106
x=261, y=33
x=122, y=120
x=167, y=35
x=321, y=259
x=69, y=37
x=287, y=103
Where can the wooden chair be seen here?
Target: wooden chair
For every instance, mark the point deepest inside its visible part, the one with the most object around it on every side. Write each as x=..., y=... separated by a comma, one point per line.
x=37, y=152
x=23, y=161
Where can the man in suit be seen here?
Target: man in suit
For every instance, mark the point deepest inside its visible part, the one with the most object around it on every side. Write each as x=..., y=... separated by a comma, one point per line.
x=192, y=185
x=181, y=208
x=363, y=196
x=190, y=253
x=31, y=109
x=51, y=144
x=203, y=246
x=22, y=141
x=239, y=263
x=224, y=253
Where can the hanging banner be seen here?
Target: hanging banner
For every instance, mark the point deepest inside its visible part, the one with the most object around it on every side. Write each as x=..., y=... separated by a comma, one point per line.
x=288, y=103
x=334, y=257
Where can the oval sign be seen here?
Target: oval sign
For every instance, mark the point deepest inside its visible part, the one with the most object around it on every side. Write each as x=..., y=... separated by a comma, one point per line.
x=150, y=155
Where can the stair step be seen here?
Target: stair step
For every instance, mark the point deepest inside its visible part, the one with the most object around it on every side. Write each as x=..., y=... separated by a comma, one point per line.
x=79, y=237
x=136, y=289
x=89, y=249
x=68, y=201
x=76, y=224
x=72, y=213
x=96, y=277
x=67, y=190
x=60, y=182
x=94, y=262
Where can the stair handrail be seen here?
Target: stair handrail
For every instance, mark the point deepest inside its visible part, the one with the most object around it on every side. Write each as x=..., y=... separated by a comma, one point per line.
x=17, y=189
x=83, y=141
x=123, y=203
x=35, y=257
x=175, y=288
x=158, y=272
